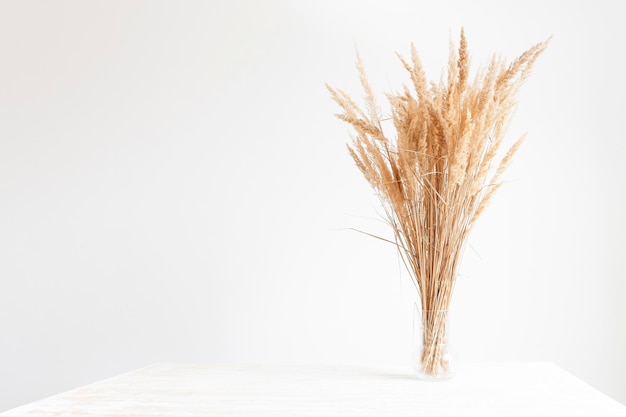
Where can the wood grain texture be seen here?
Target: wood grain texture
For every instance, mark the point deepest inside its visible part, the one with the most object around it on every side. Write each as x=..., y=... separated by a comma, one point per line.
x=185, y=390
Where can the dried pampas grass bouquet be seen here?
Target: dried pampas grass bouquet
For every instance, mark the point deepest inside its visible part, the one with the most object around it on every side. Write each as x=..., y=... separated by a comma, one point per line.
x=436, y=170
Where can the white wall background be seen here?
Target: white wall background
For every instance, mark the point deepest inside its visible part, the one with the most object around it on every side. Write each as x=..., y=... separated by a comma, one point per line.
x=173, y=187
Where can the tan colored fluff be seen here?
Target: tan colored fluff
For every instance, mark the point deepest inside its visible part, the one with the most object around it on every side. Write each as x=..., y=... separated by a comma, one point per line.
x=440, y=168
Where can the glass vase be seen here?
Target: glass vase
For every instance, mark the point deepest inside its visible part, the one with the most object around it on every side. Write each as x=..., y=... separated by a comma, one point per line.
x=432, y=358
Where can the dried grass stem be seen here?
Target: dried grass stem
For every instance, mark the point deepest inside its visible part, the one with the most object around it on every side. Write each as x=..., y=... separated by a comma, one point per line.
x=440, y=168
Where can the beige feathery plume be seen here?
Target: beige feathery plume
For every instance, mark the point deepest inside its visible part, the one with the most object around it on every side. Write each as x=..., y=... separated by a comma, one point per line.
x=440, y=168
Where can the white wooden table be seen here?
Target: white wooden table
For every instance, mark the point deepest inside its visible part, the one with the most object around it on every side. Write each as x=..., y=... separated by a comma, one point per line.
x=185, y=390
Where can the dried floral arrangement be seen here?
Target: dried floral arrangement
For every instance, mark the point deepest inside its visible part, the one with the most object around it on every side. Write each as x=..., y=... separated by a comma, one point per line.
x=438, y=170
